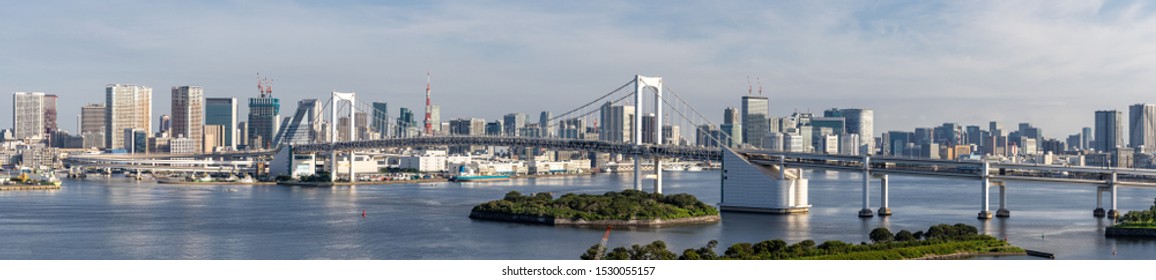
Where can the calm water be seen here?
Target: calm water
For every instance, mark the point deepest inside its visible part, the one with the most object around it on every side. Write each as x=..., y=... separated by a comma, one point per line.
x=102, y=218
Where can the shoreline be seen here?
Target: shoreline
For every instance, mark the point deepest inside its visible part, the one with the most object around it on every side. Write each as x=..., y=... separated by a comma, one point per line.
x=1125, y=232
x=553, y=221
x=966, y=255
x=359, y=183
x=213, y=183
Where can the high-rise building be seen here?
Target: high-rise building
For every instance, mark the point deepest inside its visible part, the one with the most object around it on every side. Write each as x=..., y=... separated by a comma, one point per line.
x=732, y=125
x=264, y=121
x=755, y=127
x=189, y=115
x=617, y=123
x=127, y=107
x=243, y=135
x=1109, y=130
x=222, y=111
x=50, y=114
x=1086, y=139
x=28, y=116
x=545, y=125
x=92, y=125
x=380, y=121
x=405, y=123
x=513, y=124
x=435, y=117
x=166, y=124
x=859, y=121
x=214, y=137
x=494, y=128
x=1142, y=127
x=470, y=127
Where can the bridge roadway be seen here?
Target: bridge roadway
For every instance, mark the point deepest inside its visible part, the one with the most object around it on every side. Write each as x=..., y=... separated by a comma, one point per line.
x=561, y=144
x=988, y=173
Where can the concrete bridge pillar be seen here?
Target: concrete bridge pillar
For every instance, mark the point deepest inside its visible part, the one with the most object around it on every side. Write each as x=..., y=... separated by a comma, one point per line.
x=637, y=173
x=657, y=175
x=866, y=211
x=1112, y=191
x=1099, y=212
x=1002, y=212
x=985, y=191
x=352, y=175
x=885, y=209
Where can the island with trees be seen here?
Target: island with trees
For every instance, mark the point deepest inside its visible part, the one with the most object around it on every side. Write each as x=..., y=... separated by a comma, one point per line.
x=938, y=242
x=625, y=208
x=1135, y=224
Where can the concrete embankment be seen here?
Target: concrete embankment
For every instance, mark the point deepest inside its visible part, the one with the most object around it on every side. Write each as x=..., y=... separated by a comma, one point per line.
x=1130, y=232
x=28, y=187
x=213, y=183
x=365, y=183
x=548, y=220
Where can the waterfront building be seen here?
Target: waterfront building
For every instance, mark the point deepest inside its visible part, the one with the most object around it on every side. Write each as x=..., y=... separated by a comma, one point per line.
x=126, y=107
x=188, y=108
x=92, y=125
x=222, y=111
x=28, y=116
x=755, y=126
x=858, y=121
x=1109, y=130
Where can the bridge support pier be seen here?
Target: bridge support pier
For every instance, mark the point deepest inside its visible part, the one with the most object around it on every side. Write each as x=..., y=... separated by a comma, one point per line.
x=637, y=173
x=1113, y=214
x=1002, y=212
x=885, y=209
x=985, y=191
x=1099, y=212
x=352, y=175
x=657, y=175
x=866, y=211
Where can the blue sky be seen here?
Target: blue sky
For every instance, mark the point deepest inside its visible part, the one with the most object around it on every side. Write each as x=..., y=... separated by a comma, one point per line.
x=916, y=63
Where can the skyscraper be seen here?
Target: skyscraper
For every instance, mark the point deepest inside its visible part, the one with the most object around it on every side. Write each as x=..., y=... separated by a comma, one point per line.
x=755, y=127
x=50, y=114
x=513, y=124
x=28, y=115
x=545, y=125
x=861, y=122
x=1086, y=139
x=166, y=124
x=264, y=120
x=380, y=121
x=1142, y=127
x=405, y=123
x=92, y=125
x=617, y=123
x=222, y=111
x=732, y=125
x=127, y=107
x=189, y=115
x=435, y=118
x=1109, y=130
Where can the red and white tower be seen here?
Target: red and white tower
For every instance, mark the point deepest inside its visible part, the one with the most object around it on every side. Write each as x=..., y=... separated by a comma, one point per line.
x=428, y=125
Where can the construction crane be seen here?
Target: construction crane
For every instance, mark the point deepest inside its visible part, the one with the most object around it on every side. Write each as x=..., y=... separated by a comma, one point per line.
x=264, y=86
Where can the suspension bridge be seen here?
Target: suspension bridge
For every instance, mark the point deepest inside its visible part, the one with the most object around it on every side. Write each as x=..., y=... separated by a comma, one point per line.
x=638, y=121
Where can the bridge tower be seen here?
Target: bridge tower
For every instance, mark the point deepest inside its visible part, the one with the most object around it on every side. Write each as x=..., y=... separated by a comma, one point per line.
x=641, y=83
x=351, y=97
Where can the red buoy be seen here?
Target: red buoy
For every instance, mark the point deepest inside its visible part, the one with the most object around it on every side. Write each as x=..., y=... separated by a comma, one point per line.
x=363, y=213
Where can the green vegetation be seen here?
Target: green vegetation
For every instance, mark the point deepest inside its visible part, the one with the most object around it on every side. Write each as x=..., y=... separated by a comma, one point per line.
x=1138, y=219
x=939, y=240
x=626, y=205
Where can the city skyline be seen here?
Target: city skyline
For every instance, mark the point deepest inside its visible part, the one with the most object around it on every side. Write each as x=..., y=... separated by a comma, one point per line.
x=914, y=64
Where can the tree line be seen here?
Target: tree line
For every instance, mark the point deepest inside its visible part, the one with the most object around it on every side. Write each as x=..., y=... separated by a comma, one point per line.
x=624, y=205
x=938, y=239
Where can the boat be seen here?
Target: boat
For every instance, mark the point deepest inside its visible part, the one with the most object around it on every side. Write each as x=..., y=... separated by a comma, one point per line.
x=480, y=178
x=28, y=179
x=694, y=168
x=465, y=174
x=674, y=168
x=247, y=179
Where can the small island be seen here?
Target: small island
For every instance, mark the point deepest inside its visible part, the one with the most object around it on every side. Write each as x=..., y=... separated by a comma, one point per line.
x=1135, y=224
x=625, y=208
x=938, y=242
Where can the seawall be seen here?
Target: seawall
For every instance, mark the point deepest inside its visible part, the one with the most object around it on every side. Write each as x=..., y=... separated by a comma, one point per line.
x=548, y=220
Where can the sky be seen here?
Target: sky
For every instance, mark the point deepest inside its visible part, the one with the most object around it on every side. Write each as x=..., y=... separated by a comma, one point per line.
x=915, y=63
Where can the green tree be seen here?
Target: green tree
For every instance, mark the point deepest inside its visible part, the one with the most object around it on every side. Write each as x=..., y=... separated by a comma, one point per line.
x=739, y=251
x=881, y=235
x=904, y=236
